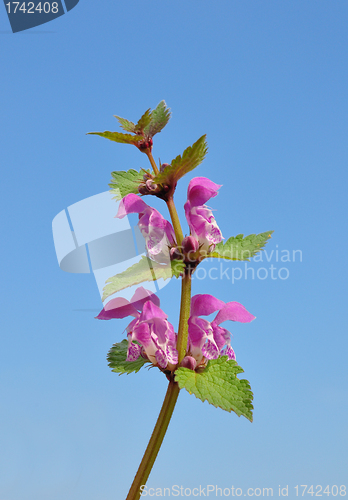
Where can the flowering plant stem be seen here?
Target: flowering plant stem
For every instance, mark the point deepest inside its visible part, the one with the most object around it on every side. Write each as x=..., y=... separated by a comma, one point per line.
x=155, y=441
x=173, y=389
x=175, y=221
x=152, y=161
x=184, y=316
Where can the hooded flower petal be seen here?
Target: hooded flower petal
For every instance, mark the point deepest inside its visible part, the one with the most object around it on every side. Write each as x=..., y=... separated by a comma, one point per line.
x=204, y=304
x=121, y=308
x=158, y=232
x=233, y=311
x=202, y=223
x=200, y=190
x=208, y=339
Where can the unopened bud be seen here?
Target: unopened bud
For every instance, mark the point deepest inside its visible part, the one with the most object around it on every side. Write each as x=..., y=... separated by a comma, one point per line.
x=151, y=186
x=143, y=189
x=190, y=245
x=189, y=362
x=163, y=166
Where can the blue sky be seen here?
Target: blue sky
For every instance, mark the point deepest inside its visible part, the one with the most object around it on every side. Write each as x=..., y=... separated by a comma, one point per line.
x=267, y=82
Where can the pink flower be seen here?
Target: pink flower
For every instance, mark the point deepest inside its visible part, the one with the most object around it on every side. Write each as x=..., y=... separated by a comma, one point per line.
x=149, y=332
x=158, y=232
x=202, y=223
x=208, y=339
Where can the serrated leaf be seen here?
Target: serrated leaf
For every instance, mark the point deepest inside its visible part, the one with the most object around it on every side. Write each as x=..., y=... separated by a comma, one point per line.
x=123, y=183
x=240, y=248
x=119, y=137
x=144, y=121
x=181, y=165
x=126, y=124
x=159, y=118
x=218, y=384
x=117, y=359
x=144, y=270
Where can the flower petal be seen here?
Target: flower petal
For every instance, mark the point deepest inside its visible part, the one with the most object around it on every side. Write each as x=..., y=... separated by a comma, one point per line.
x=204, y=304
x=210, y=350
x=133, y=351
x=161, y=358
x=233, y=311
x=117, y=308
x=151, y=311
x=200, y=190
x=228, y=351
x=142, y=295
x=172, y=354
x=131, y=204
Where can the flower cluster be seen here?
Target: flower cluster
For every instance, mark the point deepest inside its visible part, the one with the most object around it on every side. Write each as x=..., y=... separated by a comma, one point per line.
x=159, y=233
x=207, y=339
x=200, y=219
x=149, y=333
x=152, y=336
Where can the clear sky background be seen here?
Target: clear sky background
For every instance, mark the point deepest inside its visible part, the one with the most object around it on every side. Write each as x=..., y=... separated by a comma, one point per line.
x=267, y=82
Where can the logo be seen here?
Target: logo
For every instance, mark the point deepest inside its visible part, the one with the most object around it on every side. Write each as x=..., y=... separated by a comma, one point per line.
x=26, y=15
x=89, y=239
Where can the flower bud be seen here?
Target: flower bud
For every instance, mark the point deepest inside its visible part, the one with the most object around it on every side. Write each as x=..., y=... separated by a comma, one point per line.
x=189, y=362
x=189, y=245
x=151, y=186
x=163, y=166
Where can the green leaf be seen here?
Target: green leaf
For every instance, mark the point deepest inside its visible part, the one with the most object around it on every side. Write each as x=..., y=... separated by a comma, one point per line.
x=119, y=137
x=144, y=270
x=117, y=359
x=181, y=165
x=159, y=119
x=144, y=121
x=126, y=124
x=218, y=384
x=123, y=183
x=240, y=248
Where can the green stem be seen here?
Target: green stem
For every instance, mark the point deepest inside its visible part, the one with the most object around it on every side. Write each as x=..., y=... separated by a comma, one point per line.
x=175, y=221
x=185, y=307
x=152, y=161
x=171, y=206
x=173, y=389
x=155, y=441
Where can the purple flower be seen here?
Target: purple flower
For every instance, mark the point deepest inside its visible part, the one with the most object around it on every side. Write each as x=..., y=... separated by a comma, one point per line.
x=154, y=335
x=208, y=339
x=202, y=223
x=158, y=232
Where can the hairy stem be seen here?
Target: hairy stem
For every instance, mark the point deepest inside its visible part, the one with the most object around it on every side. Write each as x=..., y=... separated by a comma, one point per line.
x=185, y=307
x=155, y=441
x=175, y=221
x=171, y=206
x=152, y=161
x=173, y=389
